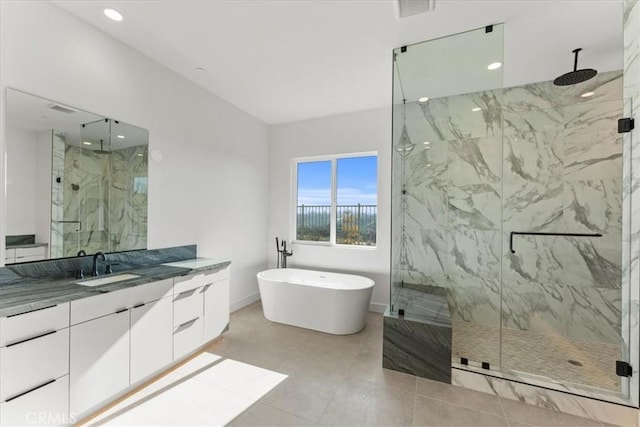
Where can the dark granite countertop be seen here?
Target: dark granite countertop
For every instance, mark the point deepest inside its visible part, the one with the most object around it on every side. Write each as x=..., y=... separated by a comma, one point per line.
x=20, y=294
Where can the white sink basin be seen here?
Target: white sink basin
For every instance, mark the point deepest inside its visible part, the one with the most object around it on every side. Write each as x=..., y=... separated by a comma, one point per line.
x=108, y=279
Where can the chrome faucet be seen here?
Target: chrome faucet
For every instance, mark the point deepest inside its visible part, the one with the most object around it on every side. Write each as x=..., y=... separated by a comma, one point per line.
x=94, y=269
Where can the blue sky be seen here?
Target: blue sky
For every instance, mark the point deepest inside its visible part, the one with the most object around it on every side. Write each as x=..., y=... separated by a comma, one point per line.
x=357, y=181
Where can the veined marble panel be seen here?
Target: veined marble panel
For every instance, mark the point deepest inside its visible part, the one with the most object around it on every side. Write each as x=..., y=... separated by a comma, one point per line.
x=474, y=275
x=57, y=194
x=427, y=163
x=534, y=307
x=475, y=160
x=554, y=399
x=518, y=124
x=464, y=123
x=432, y=122
x=533, y=297
x=426, y=206
x=593, y=206
x=532, y=206
x=477, y=206
x=534, y=157
x=592, y=261
x=593, y=147
x=541, y=97
x=594, y=314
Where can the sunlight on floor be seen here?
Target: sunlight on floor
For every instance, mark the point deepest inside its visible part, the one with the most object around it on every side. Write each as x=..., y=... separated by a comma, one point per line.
x=205, y=390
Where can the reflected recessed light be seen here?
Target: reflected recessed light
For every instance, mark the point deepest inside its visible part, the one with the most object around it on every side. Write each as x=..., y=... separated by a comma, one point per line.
x=140, y=154
x=494, y=66
x=476, y=109
x=113, y=14
x=587, y=94
x=120, y=136
x=423, y=99
x=86, y=143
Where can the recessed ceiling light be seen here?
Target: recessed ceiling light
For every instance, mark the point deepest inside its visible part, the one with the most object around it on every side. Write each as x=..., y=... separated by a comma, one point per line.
x=494, y=66
x=120, y=136
x=426, y=143
x=476, y=109
x=113, y=14
x=140, y=154
x=587, y=94
x=86, y=143
x=423, y=99
x=200, y=69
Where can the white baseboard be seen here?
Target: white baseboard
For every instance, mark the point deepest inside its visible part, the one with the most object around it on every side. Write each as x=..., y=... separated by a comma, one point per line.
x=377, y=307
x=243, y=302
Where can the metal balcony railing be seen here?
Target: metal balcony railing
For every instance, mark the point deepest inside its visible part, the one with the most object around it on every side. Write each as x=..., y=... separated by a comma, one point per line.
x=355, y=224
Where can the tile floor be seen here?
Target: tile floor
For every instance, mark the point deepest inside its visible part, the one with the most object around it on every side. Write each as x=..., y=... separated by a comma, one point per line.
x=339, y=381
x=206, y=390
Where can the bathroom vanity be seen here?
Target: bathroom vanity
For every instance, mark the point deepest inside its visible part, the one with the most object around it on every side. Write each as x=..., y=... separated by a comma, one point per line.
x=68, y=348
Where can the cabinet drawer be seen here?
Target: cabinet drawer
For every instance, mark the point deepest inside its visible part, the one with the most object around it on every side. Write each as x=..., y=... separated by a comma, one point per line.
x=30, y=324
x=187, y=306
x=46, y=404
x=186, y=283
x=100, y=305
x=10, y=256
x=149, y=292
x=30, y=252
x=31, y=363
x=187, y=337
x=217, y=276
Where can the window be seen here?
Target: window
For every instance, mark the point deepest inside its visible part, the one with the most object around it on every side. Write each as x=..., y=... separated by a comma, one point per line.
x=336, y=199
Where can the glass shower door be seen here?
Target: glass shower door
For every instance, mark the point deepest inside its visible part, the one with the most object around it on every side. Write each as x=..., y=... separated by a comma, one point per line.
x=562, y=286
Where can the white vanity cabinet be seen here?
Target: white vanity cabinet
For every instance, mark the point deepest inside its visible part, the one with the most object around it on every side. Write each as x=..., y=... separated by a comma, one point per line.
x=216, y=303
x=99, y=364
x=113, y=351
x=201, y=310
x=187, y=314
x=35, y=253
x=152, y=333
x=34, y=367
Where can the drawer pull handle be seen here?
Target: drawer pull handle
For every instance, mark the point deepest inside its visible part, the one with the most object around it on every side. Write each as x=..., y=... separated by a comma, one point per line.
x=139, y=305
x=31, y=311
x=30, y=390
x=185, y=293
x=122, y=310
x=188, y=323
x=32, y=338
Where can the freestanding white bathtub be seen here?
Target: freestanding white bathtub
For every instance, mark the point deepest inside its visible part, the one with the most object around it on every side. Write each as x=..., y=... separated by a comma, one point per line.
x=327, y=302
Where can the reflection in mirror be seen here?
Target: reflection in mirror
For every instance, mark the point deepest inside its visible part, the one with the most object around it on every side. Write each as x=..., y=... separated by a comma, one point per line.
x=75, y=181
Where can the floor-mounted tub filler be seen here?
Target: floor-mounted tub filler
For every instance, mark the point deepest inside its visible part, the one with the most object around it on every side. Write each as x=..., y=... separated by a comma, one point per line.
x=334, y=303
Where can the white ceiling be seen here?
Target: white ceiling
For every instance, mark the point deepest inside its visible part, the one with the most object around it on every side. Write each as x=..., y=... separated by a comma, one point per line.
x=289, y=60
x=32, y=113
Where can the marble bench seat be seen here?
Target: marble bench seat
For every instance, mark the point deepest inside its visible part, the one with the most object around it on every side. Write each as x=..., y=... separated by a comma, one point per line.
x=419, y=342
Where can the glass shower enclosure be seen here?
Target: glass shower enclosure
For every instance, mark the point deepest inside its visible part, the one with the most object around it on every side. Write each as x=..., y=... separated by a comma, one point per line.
x=509, y=200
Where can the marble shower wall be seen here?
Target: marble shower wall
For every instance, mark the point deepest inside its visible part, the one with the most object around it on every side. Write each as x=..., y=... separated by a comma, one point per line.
x=534, y=158
x=102, y=199
x=128, y=198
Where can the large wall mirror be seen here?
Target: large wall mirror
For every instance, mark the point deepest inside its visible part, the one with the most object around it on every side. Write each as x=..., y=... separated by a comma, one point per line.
x=75, y=181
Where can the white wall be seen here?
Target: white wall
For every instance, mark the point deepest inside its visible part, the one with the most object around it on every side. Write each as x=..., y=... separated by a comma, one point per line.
x=22, y=172
x=211, y=186
x=346, y=133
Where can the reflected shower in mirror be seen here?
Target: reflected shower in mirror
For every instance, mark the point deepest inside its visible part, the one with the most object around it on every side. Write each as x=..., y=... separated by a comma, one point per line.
x=75, y=181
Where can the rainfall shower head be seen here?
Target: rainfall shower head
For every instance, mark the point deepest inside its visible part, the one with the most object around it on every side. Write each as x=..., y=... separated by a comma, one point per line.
x=101, y=150
x=576, y=76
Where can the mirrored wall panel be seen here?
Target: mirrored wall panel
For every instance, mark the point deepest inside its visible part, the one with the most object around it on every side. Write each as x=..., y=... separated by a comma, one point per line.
x=76, y=181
